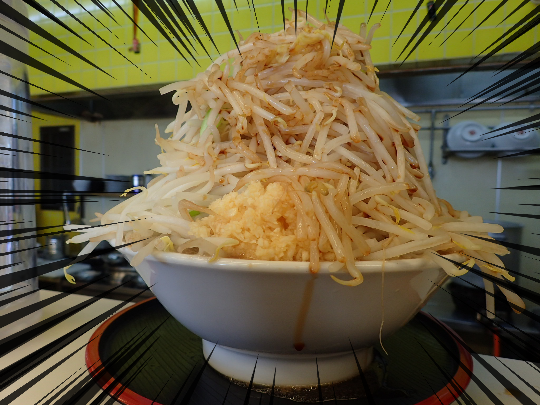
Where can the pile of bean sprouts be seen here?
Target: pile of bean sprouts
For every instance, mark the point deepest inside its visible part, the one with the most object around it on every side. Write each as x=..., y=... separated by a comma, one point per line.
x=292, y=107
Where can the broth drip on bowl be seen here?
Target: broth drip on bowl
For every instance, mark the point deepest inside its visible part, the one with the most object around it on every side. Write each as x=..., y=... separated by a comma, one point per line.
x=302, y=315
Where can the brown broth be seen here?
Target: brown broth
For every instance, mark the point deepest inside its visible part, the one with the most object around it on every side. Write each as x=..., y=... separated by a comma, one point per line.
x=304, y=309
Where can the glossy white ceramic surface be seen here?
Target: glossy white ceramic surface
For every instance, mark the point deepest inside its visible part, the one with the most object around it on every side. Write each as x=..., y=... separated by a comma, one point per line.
x=264, y=307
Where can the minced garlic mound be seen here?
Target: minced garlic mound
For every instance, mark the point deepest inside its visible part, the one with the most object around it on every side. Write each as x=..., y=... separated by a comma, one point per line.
x=262, y=219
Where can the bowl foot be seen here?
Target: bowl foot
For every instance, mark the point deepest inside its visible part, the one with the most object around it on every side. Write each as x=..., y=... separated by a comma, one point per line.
x=289, y=369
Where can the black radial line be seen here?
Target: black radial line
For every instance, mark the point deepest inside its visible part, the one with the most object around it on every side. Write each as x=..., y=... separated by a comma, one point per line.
x=372, y=9
x=295, y=6
x=457, y=388
x=334, y=392
x=37, y=87
x=534, y=22
x=523, y=21
x=307, y=3
x=447, y=6
x=386, y=9
x=11, y=239
x=523, y=399
x=319, y=388
x=14, y=201
x=119, y=358
x=283, y=12
x=518, y=74
x=519, y=290
x=72, y=383
x=26, y=100
x=20, y=368
x=250, y=386
x=530, y=315
x=425, y=21
x=340, y=10
x=31, y=43
x=30, y=309
x=28, y=24
x=462, y=22
x=22, y=57
x=226, y=392
x=131, y=19
x=5, y=267
x=533, y=64
x=23, y=275
x=518, y=215
x=15, y=289
x=157, y=10
x=488, y=392
x=27, y=151
x=227, y=22
x=46, y=143
x=148, y=14
x=515, y=126
x=193, y=385
x=514, y=129
x=87, y=388
x=55, y=388
x=95, y=18
x=6, y=301
x=272, y=392
x=526, y=89
x=9, y=173
x=167, y=15
x=515, y=10
x=8, y=344
x=11, y=252
x=369, y=395
x=452, y=19
x=255, y=13
x=513, y=272
x=173, y=402
x=114, y=399
x=100, y=5
x=525, y=27
x=409, y=20
x=522, y=85
x=535, y=187
x=495, y=9
x=13, y=118
x=509, y=343
x=200, y=20
x=431, y=388
x=184, y=19
x=179, y=11
x=535, y=151
x=117, y=381
x=51, y=16
x=95, y=34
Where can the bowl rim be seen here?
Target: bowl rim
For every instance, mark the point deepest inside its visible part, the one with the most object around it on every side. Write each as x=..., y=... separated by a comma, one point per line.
x=294, y=267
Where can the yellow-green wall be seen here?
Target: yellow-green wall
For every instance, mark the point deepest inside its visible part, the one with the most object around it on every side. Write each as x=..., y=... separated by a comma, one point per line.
x=162, y=64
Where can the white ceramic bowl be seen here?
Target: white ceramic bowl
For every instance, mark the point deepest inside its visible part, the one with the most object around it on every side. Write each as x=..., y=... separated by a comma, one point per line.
x=247, y=311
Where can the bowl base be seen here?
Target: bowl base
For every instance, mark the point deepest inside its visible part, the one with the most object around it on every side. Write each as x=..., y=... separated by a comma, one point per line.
x=287, y=369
